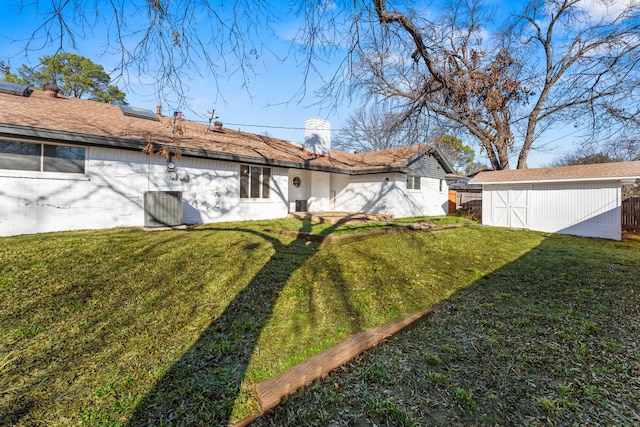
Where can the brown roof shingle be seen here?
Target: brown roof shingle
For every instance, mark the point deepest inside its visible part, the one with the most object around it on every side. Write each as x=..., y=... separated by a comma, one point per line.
x=81, y=120
x=592, y=172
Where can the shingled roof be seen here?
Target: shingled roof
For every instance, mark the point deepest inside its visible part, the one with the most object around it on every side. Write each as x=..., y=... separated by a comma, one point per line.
x=593, y=172
x=86, y=122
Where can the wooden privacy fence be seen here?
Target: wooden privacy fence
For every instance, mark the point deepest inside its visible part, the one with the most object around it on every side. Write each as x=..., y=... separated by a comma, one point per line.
x=471, y=209
x=631, y=214
x=465, y=202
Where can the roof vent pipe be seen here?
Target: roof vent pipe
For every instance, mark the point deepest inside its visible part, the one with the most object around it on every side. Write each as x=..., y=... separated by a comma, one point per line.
x=51, y=90
x=158, y=110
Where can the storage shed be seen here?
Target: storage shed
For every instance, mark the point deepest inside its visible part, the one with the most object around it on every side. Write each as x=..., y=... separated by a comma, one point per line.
x=583, y=200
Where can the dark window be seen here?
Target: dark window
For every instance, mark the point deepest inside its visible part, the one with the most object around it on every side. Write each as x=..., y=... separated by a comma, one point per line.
x=17, y=155
x=256, y=173
x=244, y=182
x=413, y=182
x=254, y=182
x=266, y=179
x=58, y=158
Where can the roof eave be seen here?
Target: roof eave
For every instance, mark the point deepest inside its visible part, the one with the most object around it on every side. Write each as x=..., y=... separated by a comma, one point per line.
x=384, y=169
x=559, y=180
x=49, y=135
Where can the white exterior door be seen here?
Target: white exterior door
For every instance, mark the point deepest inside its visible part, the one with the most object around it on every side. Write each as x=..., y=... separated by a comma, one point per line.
x=510, y=207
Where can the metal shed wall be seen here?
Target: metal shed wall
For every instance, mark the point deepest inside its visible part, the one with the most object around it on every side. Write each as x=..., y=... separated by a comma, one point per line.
x=590, y=209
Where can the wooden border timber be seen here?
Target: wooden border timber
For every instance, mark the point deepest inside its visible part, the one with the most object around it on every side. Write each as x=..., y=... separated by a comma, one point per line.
x=271, y=392
x=362, y=235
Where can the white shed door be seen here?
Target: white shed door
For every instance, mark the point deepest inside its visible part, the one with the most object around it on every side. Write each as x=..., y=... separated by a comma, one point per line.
x=510, y=207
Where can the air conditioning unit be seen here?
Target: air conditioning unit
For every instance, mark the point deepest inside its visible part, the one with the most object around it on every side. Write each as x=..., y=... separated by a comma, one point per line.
x=162, y=208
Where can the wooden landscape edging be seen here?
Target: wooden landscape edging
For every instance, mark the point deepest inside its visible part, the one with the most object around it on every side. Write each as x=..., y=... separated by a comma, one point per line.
x=271, y=392
x=362, y=235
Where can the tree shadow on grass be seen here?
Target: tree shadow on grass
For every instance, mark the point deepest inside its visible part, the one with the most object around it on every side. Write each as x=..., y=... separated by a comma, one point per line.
x=550, y=334
x=205, y=384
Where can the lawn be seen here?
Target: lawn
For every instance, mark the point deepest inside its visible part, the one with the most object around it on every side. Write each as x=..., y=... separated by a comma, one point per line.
x=122, y=327
x=549, y=339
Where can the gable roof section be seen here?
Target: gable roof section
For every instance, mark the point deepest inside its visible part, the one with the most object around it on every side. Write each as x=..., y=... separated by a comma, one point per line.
x=617, y=171
x=401, y=157
x=77, y=121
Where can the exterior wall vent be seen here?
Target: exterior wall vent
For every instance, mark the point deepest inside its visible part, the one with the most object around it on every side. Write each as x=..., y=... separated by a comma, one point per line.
x=301, y=206
x=162, y=208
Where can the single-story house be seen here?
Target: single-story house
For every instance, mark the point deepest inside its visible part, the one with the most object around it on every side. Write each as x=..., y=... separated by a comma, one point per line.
x=583, y=200
x=69, y=164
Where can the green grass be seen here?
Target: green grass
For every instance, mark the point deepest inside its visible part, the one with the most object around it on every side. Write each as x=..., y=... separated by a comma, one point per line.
x=549, y=338
x=103, y=328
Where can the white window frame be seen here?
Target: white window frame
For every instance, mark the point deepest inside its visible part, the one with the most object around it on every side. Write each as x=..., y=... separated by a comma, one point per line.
x=414, y=182
x=41, y=172
x=262, y=189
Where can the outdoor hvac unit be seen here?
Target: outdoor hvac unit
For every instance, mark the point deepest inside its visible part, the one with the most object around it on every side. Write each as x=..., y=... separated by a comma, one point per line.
x=162, y=208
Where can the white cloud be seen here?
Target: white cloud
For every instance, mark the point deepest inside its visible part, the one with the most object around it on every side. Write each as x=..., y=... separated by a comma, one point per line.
x=599, y=9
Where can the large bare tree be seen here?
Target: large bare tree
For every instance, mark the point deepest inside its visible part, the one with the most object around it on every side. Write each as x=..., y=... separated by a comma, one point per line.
x=556, y=61
x=164, y=42
x=621, y=130
x=378, y=126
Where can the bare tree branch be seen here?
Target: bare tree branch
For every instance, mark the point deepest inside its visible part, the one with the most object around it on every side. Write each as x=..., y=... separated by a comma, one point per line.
x=556, y=60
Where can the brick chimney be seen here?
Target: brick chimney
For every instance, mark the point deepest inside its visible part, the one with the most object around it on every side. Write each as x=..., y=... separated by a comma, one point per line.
x=317, y=137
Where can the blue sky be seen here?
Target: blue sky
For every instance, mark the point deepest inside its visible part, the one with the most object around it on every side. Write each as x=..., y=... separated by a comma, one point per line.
x=268, y=101
x=269, y=97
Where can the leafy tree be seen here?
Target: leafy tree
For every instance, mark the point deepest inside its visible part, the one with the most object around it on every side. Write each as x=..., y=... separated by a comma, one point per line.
x=459, y=155
x=75, y=76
